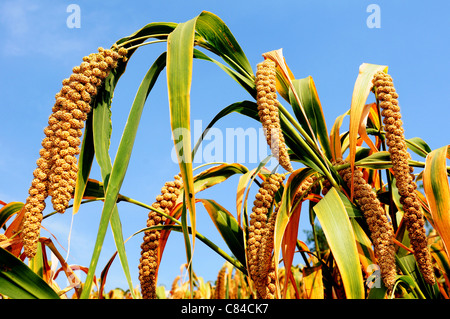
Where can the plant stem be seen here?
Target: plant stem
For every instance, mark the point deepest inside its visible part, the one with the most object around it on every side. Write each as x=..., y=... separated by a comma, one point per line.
x=145, y=43
x=133, y=201
x=207, y=164
x=142, y=38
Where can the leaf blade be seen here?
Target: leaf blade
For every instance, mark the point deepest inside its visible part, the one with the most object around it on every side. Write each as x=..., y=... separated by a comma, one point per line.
x=437, y=191
x=338, y=230
x=17, y=280
x=180, y=50
x=361, y=90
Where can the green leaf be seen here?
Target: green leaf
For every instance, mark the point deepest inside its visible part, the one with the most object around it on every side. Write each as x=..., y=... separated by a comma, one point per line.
x=216, y=175
x=18, y=281
x=8, y=210
x=437, y=191
x=338, y=230
x=101, y=131
x=418, y=146
x=218, y=38
x=228, y=228
x=119, y=169
x=307, y=93
x=409, y=268
x=247, y=108
x=285, y=211
x=180, y=50
x=378, y=160
x=158, y=30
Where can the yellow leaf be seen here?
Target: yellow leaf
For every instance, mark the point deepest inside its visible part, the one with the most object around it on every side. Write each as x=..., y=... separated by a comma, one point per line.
x=361, y=91
x=313, y=283
x=437, y=191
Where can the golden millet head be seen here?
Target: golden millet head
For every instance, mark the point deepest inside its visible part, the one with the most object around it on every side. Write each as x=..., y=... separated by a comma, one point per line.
x=256, y=255
x=57, y=167
x=266, y=99
x=220, y=289
x=148, y=265
x=382, y=232
x=406, y=186
x=31, y=226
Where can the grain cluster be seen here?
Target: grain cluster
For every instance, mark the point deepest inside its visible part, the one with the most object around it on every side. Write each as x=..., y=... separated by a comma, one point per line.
x=268, y=111
x=148, y=266
x=261, y=226
x=403, y=172
x=57, y=167
x=380, y=227
x=220, y=289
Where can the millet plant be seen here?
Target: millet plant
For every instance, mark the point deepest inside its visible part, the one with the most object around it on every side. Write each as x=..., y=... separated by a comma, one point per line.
x=360, y=184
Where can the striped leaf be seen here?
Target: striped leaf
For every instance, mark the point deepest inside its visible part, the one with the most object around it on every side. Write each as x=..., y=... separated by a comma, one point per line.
x=8, y=210
x=217, y=38
x=180, y=50
x=228, y=228
x=18, y=281
x=338, y=230
x=216, y=175
x=309, y=98
x=437, y=191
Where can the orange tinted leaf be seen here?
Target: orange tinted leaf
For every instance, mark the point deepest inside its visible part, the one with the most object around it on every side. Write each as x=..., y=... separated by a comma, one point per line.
x=289, y=243
x=362, y=126
x=313, y=283
x=335, y=137
x=437, y=191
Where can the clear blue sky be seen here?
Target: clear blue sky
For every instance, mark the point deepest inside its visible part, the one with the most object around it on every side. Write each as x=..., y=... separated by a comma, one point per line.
x=325, y=39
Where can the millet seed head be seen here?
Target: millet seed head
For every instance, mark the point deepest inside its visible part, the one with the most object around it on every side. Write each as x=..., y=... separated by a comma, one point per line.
x=148, y=265
x=260, y=226
x=395, y=140
x=266, y=99
x=63, y=138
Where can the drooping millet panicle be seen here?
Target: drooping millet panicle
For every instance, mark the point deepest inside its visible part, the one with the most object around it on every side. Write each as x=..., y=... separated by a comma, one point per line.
x=403, y=172
x=305, y=188
x=268, y=111
x=148, y=266
x=219, y=292
x=266, y=270
x=381, y=230
x=266, y=247
x=56, y=170
x=69, y=114
x=258, y=219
